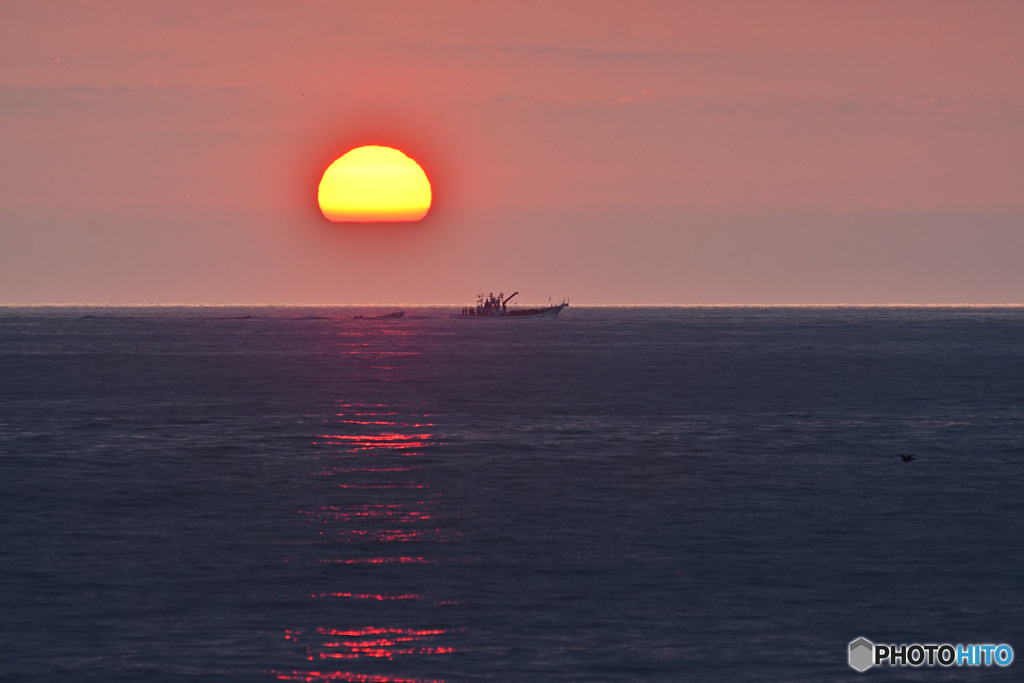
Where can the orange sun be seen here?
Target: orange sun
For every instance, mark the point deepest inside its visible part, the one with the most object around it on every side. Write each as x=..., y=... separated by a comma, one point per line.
x=374, y=184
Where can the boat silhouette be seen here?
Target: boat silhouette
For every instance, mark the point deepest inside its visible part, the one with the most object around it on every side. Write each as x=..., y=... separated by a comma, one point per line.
x=396, y=314
x=491, y=306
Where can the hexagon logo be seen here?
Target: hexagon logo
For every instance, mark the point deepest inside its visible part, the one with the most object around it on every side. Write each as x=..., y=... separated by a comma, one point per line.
x=862, y=654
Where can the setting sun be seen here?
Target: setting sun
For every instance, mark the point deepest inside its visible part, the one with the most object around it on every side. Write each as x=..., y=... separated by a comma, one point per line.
x=374, y=184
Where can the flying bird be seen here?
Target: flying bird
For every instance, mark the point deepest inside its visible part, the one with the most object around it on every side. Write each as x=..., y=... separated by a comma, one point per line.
x=905, y=457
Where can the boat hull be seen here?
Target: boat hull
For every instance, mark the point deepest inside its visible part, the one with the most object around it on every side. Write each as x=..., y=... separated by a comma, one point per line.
x=549, y=312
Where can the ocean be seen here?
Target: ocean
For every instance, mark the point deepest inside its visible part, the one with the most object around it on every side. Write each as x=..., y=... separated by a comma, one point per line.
x=617, y=494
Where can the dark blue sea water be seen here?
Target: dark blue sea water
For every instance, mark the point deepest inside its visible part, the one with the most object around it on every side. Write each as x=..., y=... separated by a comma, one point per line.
x=211, y=494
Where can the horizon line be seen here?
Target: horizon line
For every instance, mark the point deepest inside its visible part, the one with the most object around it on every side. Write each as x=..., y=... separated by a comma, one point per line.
x=458, y=305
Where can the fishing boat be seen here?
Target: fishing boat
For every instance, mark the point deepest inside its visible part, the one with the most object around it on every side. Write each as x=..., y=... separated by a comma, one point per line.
x=491, y=306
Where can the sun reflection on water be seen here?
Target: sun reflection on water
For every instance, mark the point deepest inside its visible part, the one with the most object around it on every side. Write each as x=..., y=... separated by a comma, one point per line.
x=315, y=676
x=382, y=560
x=368, y=512
x=368, y=596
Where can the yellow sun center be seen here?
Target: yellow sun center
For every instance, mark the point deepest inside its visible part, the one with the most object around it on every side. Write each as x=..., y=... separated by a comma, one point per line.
x=374, y=184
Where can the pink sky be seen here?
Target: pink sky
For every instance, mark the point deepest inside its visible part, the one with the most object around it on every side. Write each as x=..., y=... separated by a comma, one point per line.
x=613, y=152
